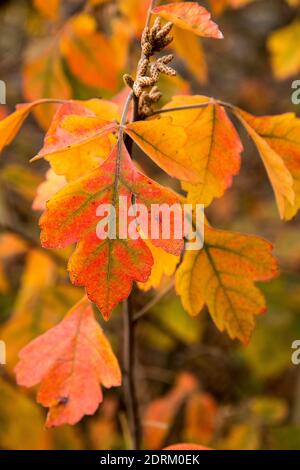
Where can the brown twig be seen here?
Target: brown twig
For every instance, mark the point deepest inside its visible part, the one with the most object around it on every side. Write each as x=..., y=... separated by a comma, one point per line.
x=129, y=375
x=153, y=302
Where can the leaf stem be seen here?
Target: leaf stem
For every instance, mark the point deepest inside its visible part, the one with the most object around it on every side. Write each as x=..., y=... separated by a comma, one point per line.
x=194, y=106
x=153, y=302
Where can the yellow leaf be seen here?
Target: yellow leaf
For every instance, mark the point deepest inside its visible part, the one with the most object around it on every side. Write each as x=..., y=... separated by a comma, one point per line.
x=78, y=139
x=164, y=264
x=222, y=276
x=213, y=147
x=277, y=139
x=285, y=52
x=165, y=144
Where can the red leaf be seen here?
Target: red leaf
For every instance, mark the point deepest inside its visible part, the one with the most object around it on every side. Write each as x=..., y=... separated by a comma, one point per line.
x=190, y=16
x=107, y=268
x=70, y=362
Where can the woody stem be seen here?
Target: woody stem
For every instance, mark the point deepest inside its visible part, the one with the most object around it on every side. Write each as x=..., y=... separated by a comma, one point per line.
x=129, y=375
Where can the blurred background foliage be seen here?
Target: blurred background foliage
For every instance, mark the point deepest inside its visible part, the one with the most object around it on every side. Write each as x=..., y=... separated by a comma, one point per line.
x=194, y=383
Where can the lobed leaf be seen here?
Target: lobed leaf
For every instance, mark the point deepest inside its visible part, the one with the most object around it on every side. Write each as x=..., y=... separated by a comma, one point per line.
x=69, y=362
x=222, y=276
x=107, y=268
x=213, y=147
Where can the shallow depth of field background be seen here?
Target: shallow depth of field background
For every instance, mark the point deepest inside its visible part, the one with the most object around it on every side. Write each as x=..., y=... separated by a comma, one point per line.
x=213, y=390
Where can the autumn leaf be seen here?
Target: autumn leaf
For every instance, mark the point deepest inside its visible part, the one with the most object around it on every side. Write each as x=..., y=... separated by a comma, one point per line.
x=215, y=157
x=278, y=142
x=222, y=276
x=89, y=53
x=201, y=418
x=69, y=362
x=78, y=139
x=190, y=16
x=285, y=55
x=165, y=144
x=10, y=125
x=43, y=77
x=161, y=412
x=107, y=268
x=189, y=49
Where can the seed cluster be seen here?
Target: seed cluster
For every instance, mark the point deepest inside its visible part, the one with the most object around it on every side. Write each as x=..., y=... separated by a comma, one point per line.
x=145, y=88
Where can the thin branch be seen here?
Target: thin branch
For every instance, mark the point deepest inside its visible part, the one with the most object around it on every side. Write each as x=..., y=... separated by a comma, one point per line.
x=149, y=14
x=129, y=376
x=153, y=302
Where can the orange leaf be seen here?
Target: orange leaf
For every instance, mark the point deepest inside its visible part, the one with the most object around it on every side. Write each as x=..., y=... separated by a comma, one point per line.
x=107, y=268
x=10, y=125
x=222, y=276
x=200, y=418
x=213, y=147
x=89, y=53
x=190, y=16
x=70, y=361
x=160, y=414
x=277, y=139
